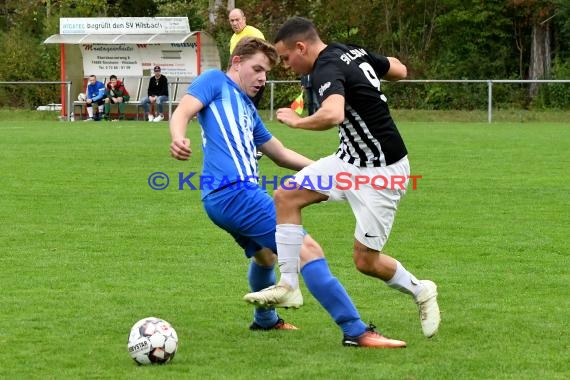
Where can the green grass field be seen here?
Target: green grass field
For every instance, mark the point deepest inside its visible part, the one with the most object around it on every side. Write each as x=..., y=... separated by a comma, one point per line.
x=87, y=249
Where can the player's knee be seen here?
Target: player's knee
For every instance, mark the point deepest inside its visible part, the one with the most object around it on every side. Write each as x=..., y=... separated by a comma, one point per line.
x=282, y=198
x=362, y=262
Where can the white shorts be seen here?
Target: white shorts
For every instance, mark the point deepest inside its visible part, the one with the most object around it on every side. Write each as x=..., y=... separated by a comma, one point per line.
x=373, y=193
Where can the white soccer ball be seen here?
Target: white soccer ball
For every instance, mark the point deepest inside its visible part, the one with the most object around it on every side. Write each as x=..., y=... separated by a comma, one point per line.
x=152, y=341
x=81, y=97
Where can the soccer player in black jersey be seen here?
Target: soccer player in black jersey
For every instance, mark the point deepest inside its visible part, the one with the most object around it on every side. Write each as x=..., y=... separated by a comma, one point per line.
x=370, y=169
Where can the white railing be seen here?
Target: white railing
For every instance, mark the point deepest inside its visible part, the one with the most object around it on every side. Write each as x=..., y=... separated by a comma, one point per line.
x=272, y=93
x=172, y=92
x=67, y=97
x=272, y=83
x=489, y=82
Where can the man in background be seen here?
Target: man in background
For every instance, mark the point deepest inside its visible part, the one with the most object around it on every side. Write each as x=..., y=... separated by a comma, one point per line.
x=116, y=94
x=95, y=95
x=241, y=30
x=157, y=93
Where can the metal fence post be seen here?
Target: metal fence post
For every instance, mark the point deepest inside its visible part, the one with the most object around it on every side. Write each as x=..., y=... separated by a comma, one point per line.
x=490, y=102
x=170, y=99
x=272, y=88
x=68, y=101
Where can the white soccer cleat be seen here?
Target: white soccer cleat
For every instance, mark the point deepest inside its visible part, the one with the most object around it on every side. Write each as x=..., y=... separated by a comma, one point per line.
x=276, y=296
x=158, y=118
x=428, y=308
x=150, y=118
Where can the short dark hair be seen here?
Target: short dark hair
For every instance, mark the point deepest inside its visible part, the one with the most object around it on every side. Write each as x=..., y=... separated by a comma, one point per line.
x=113, y=77
x=248, y=46
x=296, y=29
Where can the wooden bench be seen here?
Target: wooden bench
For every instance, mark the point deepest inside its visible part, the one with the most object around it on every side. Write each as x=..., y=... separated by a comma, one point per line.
x=80, y=103
x=137, y=88
x=176, y=86
x=134, y=86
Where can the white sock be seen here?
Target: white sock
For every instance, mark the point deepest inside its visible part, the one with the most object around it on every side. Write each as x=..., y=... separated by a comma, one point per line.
x=100, y=109
x=289, y=238
x=404, y=281
x=90, y=112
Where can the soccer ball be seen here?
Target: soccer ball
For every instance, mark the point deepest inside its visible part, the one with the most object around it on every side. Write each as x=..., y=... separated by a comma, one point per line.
x=152, y=341
x=81, y=97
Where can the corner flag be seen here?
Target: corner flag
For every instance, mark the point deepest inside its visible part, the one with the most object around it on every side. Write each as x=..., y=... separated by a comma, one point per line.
x=298, y=104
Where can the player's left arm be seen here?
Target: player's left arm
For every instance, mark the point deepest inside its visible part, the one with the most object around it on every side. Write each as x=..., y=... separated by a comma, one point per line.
x=283, y=156
x=387, y=68
x=397, y=70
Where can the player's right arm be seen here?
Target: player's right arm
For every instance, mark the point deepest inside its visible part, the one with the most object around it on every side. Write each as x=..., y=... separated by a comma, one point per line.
x=329, y=115
x=188, y=108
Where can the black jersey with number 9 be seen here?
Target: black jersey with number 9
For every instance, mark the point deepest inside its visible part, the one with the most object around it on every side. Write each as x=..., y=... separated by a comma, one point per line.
x=368, y=134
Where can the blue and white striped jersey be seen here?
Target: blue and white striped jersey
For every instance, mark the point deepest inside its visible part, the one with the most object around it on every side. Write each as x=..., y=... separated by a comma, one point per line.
x=231, y=131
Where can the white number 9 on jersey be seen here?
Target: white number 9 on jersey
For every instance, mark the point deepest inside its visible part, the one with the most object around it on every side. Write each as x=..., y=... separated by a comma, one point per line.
x=370, y=74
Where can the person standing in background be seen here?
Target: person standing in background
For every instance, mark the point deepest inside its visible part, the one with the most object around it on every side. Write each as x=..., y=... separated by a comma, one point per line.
x=241, y=30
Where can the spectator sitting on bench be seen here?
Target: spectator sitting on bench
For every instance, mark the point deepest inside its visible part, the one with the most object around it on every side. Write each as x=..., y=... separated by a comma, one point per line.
x=95, y=94
x=157, y=93
x=116, y=94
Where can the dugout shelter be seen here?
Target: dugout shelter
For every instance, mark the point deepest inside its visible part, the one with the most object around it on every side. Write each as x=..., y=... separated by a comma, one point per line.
x=130, y=47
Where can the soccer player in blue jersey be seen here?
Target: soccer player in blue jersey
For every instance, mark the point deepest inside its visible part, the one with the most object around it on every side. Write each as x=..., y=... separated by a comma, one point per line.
x=232, y=132
x=347, y=83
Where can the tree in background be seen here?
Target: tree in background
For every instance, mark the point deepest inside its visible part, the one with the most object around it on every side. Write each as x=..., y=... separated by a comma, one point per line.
x=536, y=16
x=436, y=39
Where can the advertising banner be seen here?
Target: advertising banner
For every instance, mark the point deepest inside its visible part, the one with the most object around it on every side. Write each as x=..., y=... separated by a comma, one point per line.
x=123, y=25
x=175, y=59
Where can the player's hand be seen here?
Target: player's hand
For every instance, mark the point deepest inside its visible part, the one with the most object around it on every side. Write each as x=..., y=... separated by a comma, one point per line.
x=287, y=116
x=180, y=149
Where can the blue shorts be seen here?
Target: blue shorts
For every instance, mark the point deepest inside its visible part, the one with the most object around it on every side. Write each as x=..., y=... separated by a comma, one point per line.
x=245, y=213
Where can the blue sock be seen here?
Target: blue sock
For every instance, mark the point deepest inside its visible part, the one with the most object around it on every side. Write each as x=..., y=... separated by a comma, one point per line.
x=332, y=296
x=261, y=277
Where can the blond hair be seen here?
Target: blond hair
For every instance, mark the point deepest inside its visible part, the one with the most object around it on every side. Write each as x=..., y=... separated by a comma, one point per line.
x=249, y=46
